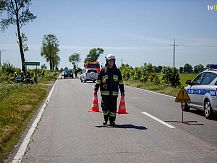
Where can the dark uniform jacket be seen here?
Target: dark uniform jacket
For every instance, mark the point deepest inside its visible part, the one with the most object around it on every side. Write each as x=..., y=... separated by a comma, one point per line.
x=110, y=81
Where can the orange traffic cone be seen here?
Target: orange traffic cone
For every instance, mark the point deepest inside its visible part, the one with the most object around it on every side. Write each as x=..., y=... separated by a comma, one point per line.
x=122, y=106
x=95, y=105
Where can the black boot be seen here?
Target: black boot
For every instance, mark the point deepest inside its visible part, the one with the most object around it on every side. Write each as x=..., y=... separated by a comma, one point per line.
x=105, y=120
x=112, y=123
x=112, y=120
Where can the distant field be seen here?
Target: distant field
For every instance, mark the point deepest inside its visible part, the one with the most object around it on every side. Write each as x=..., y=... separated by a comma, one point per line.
x=185, y=77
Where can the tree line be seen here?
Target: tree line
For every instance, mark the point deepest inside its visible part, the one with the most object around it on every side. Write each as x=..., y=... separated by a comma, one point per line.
x=150, y=73
x=190, y=69
x=158, y=74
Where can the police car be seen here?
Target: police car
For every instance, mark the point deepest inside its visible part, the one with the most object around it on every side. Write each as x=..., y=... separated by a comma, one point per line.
x=202, y=91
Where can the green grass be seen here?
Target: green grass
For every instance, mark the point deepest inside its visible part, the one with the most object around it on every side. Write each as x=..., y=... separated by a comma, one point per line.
x=165, y=89
x=48, y=77
x=185, y=77
x=18, y=102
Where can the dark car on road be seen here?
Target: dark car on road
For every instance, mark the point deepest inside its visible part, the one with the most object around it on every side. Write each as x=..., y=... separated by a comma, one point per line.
x=67, y=74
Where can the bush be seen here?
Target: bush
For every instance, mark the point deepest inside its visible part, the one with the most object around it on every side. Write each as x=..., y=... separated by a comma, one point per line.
x=156, y=80
x=175, y=80
x=170, y=76
x=8, y=68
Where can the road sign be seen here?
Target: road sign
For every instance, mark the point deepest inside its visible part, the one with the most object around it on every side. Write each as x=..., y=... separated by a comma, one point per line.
x=182, y=96
x=32, y=63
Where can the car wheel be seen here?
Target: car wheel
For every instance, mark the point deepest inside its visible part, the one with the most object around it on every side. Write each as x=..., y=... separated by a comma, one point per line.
x=207, y=109
x=186, y=107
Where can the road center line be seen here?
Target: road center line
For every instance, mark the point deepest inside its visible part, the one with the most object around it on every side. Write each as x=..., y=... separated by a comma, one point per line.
x=162, y=122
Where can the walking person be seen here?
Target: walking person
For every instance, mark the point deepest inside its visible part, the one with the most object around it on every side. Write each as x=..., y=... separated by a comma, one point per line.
x=110, y=82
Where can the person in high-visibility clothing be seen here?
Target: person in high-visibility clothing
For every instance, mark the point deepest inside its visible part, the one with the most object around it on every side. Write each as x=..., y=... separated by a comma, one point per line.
x=109, y=81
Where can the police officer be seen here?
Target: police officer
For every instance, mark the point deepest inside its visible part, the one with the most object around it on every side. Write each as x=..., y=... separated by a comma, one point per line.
x=109, y=81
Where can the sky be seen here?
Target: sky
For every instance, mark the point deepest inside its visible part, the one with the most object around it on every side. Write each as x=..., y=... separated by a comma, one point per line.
x=135, y=31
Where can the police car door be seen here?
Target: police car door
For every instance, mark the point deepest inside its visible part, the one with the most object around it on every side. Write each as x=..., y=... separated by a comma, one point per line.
x=204, y=87
x=194, y=88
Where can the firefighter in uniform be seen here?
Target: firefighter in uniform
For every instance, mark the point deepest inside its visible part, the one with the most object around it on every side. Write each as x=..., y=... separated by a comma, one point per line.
x=109, y=81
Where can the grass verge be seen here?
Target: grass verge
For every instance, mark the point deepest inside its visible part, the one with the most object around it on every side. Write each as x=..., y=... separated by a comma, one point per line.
x=18, y=103
x=168, y=90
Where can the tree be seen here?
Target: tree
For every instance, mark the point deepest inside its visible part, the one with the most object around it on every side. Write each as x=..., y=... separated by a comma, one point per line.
x=188, y=68
x=175, y=80
x=56, y=62
x=198, y=68
x=126, y=71
x=93, y=55
x=50, y=50
x=166, y=74
x=181, y=69
x=1, y=5
x=170, y=76
x=18, y=14
x=75, y=59
x=158, y=69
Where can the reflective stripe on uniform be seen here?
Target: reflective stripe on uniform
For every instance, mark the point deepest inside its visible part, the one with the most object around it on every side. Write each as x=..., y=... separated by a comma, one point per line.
x=98, y=82
x=106, y=112
x=121, y=82
x=112, y=114
x=104, y=78
x=105, y=93
x=114, y=93
x=115, y=77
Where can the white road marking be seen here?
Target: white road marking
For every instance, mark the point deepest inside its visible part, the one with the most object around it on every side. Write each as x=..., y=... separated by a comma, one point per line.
x=162, y=122
x=20, y=153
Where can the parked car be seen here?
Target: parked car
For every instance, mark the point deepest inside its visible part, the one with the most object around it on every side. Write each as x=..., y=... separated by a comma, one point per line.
x=202, y=91
x=89, y=75
x=67, y=74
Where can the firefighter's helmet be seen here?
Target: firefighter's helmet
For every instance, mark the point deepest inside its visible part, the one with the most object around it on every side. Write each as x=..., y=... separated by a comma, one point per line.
x=110, y=57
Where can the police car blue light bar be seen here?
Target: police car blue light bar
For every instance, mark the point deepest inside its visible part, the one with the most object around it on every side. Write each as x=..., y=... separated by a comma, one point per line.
x=212, y=66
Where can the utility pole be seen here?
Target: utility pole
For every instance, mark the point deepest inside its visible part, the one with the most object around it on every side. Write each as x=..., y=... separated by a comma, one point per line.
x=174, y=52
x=1, y=58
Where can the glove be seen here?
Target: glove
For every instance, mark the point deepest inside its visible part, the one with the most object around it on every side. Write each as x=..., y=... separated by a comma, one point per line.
x=122, y=94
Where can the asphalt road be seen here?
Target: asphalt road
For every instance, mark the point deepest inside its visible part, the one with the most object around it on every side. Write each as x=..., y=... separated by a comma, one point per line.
x=67, y=132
